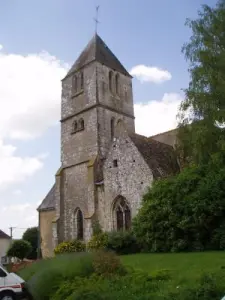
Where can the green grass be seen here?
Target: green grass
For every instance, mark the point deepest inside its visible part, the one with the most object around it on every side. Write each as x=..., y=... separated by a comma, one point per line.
x=185, y=268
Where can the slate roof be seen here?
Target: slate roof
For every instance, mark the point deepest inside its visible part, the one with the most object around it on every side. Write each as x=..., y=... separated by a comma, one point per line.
x=49, y=201
x=160, y=157
x=97, y=50
x=3, y=235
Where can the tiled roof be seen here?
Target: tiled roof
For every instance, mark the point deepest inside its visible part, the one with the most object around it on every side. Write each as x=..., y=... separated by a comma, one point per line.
x=49, y=201
x=160, y=157
x=3, y=235
x=97, y=50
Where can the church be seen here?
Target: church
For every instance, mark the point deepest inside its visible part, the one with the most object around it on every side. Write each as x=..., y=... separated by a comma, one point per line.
x=106, y=167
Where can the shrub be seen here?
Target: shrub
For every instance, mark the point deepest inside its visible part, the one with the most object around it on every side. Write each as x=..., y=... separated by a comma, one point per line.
x=97, y=242
x=191, y=215
x=19, y=249
x=107, y=263
x=122, y=242
x=70, y=247
x=45, y=277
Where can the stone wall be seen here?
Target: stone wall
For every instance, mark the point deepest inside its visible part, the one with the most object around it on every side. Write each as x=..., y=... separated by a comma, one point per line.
x=130, y=179
x=46, y=219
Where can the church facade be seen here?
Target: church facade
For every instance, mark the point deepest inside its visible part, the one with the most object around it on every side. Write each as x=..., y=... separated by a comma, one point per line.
x=105, y=166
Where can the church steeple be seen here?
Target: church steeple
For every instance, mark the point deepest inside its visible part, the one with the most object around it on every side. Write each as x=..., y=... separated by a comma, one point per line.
x=97, y=50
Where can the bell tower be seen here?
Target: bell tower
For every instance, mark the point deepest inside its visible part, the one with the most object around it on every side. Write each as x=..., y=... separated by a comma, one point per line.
x=96, y=94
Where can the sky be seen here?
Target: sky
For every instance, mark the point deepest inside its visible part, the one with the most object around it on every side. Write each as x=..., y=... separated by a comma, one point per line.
x=39, y=41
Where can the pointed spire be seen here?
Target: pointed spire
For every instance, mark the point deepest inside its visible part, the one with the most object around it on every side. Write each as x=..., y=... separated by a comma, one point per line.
x=97, y=50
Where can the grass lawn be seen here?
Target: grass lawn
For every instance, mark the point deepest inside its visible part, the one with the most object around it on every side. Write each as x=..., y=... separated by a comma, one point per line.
x=185, y=268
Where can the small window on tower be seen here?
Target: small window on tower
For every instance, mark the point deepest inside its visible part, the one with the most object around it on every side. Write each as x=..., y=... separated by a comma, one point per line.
x=112, y=125
x=81, y=124
x=110, y=80
x=115, y=163
x=81, y=80
x=74, y=84
x=117, y=84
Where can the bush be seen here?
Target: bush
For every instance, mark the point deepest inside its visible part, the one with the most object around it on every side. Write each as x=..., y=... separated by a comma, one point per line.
x=19, y=249
x=70, y=247
x=45, y=277
x=107, y=264
x=184, y=213
x=122, y=242
x=97, y=242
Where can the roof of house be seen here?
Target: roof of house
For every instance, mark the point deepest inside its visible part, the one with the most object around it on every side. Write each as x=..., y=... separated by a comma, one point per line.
x=160, y=157
x=3, y=235
x=49, y=201
x=97, y=50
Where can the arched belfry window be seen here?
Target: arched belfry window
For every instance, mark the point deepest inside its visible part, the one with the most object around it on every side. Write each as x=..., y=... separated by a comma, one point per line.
x=121, y=214
x=117, y=83
x=112, y=127
x=78, y=224
x=111, y=81
x=74, y=83
x=81, y=124
x=74, y=126
x=81, y=80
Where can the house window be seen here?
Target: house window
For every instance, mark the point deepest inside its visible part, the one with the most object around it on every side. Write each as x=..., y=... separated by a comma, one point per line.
x=112, y=128
x=115, y=163
x=78, y=224
x=110, y=81
x=81, y=80
x=121, y=214
x=117, y=83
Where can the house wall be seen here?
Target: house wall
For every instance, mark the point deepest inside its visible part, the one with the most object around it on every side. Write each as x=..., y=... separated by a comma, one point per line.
x=4, y=246
x=46, y=238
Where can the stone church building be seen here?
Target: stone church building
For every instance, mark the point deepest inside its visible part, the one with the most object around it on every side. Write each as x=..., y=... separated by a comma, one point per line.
x=105, y=166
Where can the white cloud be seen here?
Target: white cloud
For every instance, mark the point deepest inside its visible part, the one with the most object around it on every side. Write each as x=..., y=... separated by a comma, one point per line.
x=20, y=216
x=150, y=74
x=1, y=47
x=157, y=116
x=30, y=92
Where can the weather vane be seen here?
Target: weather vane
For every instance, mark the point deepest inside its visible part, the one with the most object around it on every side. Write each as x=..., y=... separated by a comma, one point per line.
x=96, y=19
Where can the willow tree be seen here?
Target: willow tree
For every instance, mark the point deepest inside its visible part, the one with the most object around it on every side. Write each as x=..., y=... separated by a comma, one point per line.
x=204, y=105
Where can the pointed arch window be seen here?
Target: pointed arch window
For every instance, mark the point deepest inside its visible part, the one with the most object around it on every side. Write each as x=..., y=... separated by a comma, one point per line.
x=110, y=81
x=78, y=224
x=117, y=83
x=122, y=214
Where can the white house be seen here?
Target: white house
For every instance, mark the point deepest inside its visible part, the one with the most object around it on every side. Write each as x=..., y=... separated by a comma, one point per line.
x=5, y=241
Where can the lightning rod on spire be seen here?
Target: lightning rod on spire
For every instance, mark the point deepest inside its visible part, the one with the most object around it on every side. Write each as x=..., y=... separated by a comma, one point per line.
x=96, y=19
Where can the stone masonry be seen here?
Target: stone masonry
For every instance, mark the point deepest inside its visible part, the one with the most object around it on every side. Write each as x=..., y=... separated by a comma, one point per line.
x=105, y=167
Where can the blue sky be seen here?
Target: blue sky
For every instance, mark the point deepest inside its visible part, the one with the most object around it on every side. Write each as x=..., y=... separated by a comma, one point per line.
x=147, y=33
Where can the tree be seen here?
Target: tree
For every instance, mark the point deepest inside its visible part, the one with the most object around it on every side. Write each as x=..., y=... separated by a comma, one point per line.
x=185, y=212
x=204, y=103
x=19, y=249
x=31, y=235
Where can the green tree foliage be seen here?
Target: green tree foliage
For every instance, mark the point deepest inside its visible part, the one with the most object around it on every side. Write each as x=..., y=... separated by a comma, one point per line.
x=204, y=103
x=20, y=249
x=31, y=235
x=186, y=212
